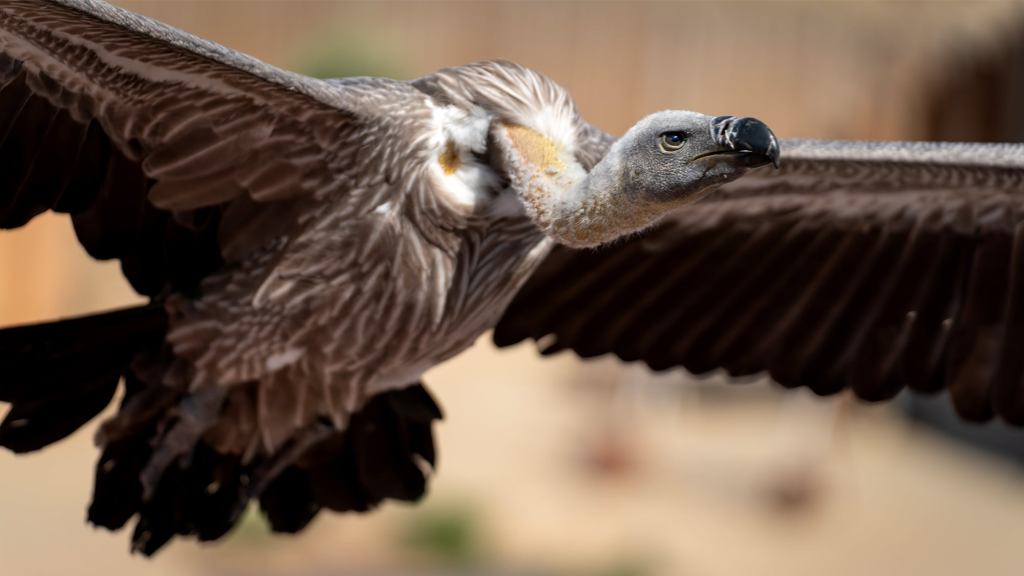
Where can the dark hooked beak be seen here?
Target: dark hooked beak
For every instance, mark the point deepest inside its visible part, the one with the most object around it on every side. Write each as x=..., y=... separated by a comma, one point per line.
x=750, y=138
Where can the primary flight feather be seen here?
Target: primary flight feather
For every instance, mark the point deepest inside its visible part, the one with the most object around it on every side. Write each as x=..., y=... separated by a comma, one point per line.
x=311, y=247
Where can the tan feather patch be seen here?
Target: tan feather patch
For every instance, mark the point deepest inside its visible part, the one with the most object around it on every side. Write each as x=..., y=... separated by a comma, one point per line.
x=449, y=158
x=535, y=148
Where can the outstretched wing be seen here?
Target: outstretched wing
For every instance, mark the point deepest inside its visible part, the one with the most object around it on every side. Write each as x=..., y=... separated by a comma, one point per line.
x=170, y=152
x=175, y=155
x=866, y=266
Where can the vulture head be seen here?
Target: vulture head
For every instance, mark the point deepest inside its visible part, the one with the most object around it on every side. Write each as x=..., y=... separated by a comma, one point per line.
x=674, y=157
x=666, y=160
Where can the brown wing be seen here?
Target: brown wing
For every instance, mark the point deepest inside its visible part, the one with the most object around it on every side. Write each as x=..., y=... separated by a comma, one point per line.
x=167, y=150
x=870, y=267
x=174, y=154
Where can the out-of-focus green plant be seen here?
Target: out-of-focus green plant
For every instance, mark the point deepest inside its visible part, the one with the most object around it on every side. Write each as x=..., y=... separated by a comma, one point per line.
x=626, y=567
x=450, y=535
x=348, y=53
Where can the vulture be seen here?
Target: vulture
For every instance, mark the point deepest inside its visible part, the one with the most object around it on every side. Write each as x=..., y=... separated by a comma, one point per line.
x=310, y=247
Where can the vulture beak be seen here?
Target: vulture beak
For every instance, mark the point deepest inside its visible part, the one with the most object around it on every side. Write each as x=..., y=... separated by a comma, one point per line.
x=751, y=141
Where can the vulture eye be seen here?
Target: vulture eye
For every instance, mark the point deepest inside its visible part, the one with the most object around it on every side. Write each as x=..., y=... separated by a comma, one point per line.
x=671, y=141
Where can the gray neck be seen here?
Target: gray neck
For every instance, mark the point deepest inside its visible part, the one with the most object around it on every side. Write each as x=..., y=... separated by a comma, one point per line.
x=570, y=205
x=588, y=209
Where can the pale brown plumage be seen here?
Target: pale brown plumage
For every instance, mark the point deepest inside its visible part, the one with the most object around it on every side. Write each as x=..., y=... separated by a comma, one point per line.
x=310, y=247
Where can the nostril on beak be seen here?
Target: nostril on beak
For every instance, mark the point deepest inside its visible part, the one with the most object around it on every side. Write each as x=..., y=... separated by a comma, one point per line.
x=721, y=130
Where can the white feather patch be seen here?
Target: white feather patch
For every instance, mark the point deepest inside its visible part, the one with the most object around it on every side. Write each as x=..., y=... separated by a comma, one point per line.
x=472, y=182
x=467, y=128
x=557, y=123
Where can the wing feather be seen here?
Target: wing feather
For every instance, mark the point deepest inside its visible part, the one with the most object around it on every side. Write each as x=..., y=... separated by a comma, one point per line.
x=115, y=216
x=1008, y=393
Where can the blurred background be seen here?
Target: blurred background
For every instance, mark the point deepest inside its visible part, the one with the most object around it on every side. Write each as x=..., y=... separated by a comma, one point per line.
x=567, y=468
